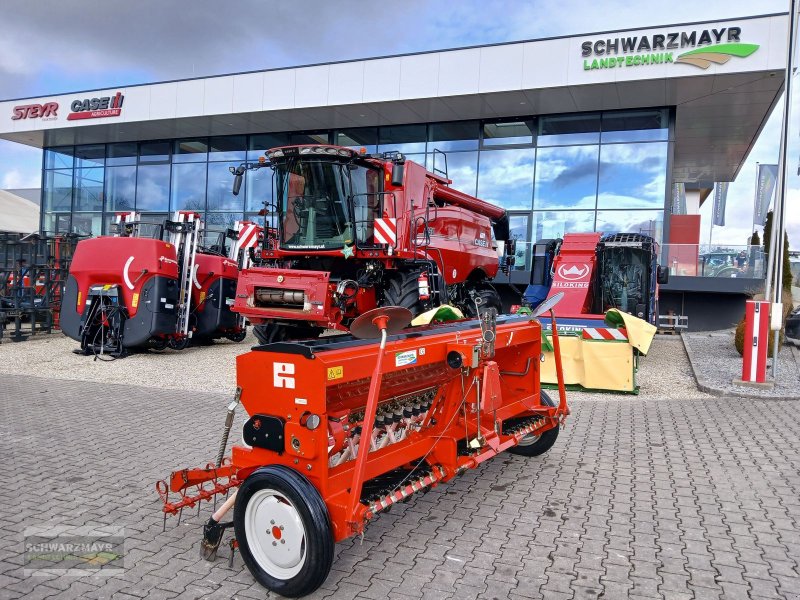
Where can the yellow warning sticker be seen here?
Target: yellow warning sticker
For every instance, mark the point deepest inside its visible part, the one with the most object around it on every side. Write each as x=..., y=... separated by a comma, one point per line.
x=106, y=287
x=135, y=301
x=335, y=373
x=80, y=294
x=202, y=297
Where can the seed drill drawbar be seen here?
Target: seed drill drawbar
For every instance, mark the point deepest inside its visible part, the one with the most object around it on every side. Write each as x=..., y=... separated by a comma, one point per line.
x=341, y=428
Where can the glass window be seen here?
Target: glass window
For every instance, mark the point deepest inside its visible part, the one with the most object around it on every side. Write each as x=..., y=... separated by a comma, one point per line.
x=263, y=142
x=402, y=138
x=503, y=133
x=268, y=220
x=90, y=156
x=229, y=147
x=188, y=187
x=566, y=177
x=121, y=154
x=554, y=224
x=87, y=223
x=456, y=135
x=309, y=137
x=220, y=188
x=649, y=222
x=191, y=150
x=220, y=221
x=56, y=222
x=635, y=126
x=632, y=175
x=569, y=129
x=57, y=191
x=519, y=231
x=462, y=168
x=89, y=189
x=505, y=177
x=152, y=188
x=258, y=188
x=120, y=188
x=59, y=158
x=362, y=137
x=154, y=152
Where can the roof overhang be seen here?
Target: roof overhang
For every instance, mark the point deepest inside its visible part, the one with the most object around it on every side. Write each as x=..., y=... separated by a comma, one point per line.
x=719, y=108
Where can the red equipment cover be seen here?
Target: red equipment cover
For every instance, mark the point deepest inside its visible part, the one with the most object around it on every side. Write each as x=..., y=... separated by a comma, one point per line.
x=312, y=284
x=573, y=271
x=209, y=269
x=128, y=262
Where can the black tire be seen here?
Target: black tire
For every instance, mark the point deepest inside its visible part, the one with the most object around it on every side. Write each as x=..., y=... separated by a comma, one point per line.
x=158, y=344
x=278, y=332
x=536, y=445
x=403, y=290
x=270, y=333
x=178, y=343
x=238, y=336
x=276, y=493
x=487, y=298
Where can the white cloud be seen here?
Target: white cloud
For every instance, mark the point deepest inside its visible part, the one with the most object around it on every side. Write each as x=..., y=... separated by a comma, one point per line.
x=18, y=178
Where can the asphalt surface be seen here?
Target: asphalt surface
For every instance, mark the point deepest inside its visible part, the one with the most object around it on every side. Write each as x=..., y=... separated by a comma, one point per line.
x=641, y=497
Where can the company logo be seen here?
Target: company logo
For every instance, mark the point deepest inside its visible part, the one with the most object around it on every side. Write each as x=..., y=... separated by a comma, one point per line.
x=710, y=46
x=283, y=375
x=46, y=112
x=573, y=272
x=96, y=108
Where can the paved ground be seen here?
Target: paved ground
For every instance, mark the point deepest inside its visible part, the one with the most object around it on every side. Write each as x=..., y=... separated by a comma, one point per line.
x=639, y=498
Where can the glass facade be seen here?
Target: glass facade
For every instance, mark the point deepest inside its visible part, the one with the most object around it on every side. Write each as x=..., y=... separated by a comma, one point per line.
x=604, y=171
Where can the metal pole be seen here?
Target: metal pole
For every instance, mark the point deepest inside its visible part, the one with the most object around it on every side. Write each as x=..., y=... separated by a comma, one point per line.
x=778, y=215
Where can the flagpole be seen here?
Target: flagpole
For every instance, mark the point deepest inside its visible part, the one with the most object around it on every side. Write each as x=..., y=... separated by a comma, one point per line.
x=778, y=216
x=755, y=207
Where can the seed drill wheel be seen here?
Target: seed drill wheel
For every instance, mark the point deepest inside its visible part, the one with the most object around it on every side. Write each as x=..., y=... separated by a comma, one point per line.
x=238, y=336
x=178, y=343
x=284, y=531
x=536, y=445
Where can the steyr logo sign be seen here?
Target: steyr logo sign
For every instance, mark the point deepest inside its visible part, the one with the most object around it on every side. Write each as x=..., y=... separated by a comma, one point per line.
x=704, y=47
x=96, y=108
x=46, y=112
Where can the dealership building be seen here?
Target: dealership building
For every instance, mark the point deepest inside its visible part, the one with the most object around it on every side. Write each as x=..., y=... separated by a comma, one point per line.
x=579, y=133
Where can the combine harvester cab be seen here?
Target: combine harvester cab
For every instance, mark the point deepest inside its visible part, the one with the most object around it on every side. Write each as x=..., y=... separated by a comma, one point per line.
x=341, y=428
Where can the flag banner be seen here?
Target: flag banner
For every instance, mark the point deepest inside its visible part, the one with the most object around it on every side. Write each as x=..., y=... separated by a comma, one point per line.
x=767, y=178
x=679, y=199
x=720, y=197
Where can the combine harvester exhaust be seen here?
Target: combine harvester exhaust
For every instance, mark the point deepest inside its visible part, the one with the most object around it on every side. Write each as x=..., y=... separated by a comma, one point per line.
x=341, y=428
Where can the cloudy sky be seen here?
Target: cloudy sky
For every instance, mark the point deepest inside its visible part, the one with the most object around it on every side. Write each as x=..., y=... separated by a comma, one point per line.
x=50, y=48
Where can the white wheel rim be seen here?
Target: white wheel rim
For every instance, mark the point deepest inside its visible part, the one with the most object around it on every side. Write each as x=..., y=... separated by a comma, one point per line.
x=528, y=440
x=275, y=534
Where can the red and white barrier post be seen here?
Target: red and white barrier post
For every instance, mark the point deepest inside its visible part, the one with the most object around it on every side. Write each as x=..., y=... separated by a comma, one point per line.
x=756, y=338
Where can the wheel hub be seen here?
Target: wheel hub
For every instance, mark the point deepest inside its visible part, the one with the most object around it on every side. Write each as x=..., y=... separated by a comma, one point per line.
x=275, y=533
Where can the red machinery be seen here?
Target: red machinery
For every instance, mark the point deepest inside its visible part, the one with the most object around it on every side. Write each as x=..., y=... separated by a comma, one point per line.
x=127, y=291
x=354, y=232
x=341, y=428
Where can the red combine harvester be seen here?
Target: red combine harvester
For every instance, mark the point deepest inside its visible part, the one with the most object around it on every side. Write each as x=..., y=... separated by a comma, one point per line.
x=129, y=291
x=341, y=428
x=354, y=232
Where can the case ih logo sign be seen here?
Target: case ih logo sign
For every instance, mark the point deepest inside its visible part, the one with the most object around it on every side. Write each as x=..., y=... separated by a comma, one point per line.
x=572, y=276
x=45, y=112
x=96, y=108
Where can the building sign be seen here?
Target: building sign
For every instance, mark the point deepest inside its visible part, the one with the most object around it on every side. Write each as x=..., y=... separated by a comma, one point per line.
x=96, y=108
x=700, y=48
x=46, y=112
